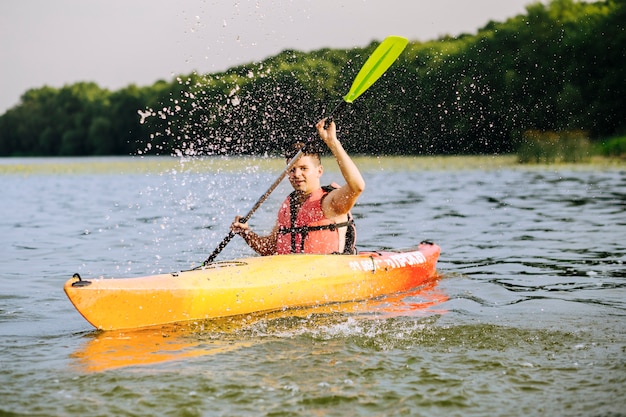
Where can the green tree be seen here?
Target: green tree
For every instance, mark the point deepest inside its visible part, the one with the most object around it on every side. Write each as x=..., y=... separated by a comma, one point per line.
x=557, y=67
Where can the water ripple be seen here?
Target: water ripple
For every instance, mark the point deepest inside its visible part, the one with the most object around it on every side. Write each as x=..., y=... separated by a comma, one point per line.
x=527, y=317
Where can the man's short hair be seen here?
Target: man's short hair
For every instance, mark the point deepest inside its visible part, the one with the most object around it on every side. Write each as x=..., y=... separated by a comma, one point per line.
x=310, y=149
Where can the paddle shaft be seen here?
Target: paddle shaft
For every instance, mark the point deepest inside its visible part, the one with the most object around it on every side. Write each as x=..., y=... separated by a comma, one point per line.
x=337, y=109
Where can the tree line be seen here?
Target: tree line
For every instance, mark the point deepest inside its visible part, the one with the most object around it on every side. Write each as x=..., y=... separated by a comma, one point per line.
x=557, y=67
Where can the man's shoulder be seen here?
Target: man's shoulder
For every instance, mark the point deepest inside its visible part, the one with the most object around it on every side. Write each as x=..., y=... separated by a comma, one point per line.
x=330, y=187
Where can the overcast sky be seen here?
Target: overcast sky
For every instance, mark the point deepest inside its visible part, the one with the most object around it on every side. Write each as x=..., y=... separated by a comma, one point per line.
x=120, y=42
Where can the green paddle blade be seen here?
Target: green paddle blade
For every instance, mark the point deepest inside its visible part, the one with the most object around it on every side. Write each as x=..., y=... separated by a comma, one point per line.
x=376, y=65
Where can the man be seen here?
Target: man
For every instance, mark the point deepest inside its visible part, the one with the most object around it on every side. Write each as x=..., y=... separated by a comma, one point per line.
x=313, y=219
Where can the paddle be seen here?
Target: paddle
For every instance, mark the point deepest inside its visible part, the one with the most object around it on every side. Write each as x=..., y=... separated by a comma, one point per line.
x=375, y=66
x=381, y=59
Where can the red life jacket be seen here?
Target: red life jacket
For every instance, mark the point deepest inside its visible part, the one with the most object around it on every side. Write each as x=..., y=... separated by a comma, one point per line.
x=308, y=231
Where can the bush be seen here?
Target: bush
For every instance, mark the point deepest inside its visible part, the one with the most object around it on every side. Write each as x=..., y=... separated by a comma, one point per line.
x=553, y=147
x=614, y=147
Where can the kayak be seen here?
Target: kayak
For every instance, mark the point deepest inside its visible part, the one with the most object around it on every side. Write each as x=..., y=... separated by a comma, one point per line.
x=249, y=285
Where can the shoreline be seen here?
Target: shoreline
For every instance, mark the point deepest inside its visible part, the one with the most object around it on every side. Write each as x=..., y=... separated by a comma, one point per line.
x=162, y=164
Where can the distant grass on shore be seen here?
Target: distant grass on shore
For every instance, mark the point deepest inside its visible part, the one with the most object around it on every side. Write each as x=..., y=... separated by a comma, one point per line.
x=160, y=165
x=547, y=147
x=554, y=147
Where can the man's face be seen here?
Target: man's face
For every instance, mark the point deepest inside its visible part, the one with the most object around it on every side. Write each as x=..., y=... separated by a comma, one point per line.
x=305, y=174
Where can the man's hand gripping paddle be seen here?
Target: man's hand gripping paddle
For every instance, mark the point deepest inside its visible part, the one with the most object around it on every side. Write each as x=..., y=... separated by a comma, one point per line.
x=381, y=59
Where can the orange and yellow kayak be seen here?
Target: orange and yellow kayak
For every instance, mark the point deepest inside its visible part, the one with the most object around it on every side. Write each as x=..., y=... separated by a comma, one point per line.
x=249, y=285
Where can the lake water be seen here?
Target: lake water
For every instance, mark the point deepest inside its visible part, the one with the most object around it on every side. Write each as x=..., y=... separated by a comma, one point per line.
x=528, y=316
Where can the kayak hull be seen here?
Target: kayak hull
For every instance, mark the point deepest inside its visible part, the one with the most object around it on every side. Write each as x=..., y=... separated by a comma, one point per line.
x=248, y=285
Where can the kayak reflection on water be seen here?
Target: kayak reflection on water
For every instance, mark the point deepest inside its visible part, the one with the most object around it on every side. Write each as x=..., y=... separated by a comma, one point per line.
x=174, y=342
